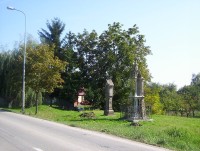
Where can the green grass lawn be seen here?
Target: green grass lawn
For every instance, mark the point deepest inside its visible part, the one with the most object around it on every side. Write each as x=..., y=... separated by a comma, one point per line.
x=177, y=133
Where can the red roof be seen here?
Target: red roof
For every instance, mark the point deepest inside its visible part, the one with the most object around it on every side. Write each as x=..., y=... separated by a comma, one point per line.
x=81, y=93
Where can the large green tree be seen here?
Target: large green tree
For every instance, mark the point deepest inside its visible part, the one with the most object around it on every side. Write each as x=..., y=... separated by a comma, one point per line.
x=118, y=49
x=112, y=52
x=71, y=76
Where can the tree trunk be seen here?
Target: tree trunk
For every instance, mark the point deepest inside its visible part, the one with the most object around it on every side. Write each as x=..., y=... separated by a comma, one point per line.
x=36, y=105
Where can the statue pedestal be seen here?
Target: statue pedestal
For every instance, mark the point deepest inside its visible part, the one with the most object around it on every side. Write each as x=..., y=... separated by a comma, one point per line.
x=108, y=108
x=109, y=95
x=138, y=110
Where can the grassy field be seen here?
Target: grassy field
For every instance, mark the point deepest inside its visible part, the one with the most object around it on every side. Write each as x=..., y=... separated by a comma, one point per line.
x=177, y=133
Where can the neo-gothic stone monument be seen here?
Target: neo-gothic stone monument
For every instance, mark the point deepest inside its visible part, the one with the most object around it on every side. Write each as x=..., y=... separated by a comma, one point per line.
x=109, y=95
x=139, y=112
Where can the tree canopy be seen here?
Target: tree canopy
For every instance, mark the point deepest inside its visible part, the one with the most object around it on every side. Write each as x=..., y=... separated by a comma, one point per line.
x=53, y=36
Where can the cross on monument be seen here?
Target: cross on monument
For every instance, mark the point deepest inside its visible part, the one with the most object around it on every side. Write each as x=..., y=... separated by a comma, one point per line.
x=139, y=112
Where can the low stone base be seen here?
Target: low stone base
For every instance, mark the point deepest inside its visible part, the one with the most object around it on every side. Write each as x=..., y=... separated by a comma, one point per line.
x=109, y=112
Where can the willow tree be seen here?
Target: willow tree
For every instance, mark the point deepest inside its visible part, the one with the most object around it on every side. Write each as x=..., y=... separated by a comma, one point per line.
x=43, y=70
x=10, y=75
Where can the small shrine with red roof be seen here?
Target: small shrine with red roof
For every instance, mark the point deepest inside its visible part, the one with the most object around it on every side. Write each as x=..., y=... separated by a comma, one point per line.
x=80, y=97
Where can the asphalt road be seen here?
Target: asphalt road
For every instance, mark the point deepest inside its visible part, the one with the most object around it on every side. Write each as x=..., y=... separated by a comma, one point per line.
x=24, y=133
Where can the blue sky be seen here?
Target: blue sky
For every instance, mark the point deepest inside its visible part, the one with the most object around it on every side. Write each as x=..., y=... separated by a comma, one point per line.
x=171, y=28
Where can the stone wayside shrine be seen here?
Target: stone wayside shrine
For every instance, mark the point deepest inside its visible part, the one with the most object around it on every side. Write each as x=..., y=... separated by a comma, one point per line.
x=81, y=94
x=109, y=95
x=139, y=111
x=80, y=97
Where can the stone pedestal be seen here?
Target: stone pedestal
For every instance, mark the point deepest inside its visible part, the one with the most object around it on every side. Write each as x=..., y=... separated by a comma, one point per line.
x=109, y=95
x=139, y=112
x=108, y=107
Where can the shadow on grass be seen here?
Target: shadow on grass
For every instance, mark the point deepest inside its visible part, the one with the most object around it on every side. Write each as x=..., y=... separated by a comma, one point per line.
x=96, y=119
x=196, y=117
x=56, y=107
x=5, y=110
x=62, y=108
x=11, y=110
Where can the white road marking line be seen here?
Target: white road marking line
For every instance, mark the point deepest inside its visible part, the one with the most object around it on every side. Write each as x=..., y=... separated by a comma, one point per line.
x=37, y=149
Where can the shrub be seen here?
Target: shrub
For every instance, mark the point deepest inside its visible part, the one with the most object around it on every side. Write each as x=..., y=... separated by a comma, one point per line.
x=88, y=115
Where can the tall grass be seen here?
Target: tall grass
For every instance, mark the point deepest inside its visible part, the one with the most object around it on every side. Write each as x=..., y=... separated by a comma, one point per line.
x=177, y=133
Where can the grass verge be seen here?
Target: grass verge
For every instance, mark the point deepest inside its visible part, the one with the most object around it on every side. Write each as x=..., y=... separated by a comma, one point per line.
x=177, y=133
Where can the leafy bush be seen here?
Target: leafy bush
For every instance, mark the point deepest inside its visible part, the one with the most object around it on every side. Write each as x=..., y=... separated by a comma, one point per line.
x=88, y=115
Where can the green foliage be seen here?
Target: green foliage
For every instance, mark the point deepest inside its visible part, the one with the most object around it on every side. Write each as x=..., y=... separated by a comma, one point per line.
x=43, y=73
x=43, y=70
x=166, y=98
x=10, y=75
x=152, y=98
x=190, y=96
x=91, y=55
x=184, y=102
x=31, y=98
x=170, y=98
x=195, y=79
x=53, y=36
x=89, y=94
x=112, y=52
x=63, y=49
